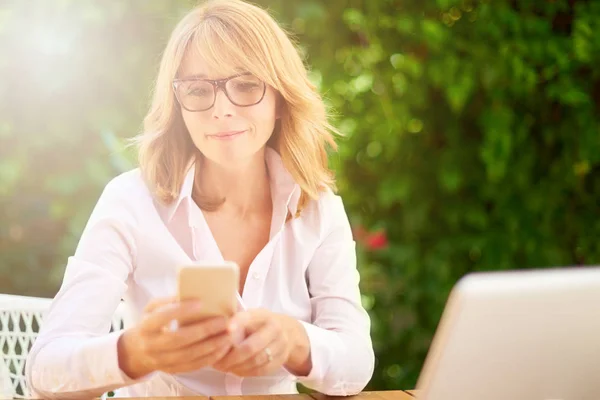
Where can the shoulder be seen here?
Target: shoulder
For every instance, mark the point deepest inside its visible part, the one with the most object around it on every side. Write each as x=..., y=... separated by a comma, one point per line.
x=327, y=215
x=127, y=185
x=126, y=193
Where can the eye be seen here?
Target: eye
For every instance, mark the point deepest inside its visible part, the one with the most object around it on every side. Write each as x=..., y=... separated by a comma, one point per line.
x=198, y=92
x=246, y=86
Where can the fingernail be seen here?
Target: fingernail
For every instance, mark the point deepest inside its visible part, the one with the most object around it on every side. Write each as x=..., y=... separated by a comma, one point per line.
x=173, y=326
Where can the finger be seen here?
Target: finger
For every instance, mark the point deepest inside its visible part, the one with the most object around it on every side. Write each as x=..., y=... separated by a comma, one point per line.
x=159, y=302
x=249, y=321
x=193, y=352
x=200, y=361
x=187, y=335
x=262, y=364
x=255, y=343
x=225, y=360
x=185, y=312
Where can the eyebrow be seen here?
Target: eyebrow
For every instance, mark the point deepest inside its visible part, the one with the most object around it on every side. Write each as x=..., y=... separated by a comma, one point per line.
x=194, y=76
x=238, y=71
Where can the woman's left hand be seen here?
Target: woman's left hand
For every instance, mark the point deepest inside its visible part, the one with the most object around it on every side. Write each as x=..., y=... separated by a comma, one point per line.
x=266, y=345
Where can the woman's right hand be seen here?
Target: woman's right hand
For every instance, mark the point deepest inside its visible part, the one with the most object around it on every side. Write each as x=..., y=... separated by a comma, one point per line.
x=151, y=346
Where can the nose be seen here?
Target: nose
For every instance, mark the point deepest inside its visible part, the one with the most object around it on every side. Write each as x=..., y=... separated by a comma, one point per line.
x=223, y=108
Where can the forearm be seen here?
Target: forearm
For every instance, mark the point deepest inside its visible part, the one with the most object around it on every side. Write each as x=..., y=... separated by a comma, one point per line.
x=75, y=367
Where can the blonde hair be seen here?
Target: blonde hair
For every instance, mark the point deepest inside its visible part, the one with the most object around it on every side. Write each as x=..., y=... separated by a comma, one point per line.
x=237, y=34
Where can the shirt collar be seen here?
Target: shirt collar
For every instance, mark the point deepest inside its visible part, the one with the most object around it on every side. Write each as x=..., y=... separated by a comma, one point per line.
x=184, y=193
x=283, y=186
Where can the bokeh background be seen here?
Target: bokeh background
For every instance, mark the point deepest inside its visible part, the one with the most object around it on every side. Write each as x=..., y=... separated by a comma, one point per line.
x=472, y=138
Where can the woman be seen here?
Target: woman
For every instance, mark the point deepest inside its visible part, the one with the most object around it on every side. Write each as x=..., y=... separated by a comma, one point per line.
x=233, y=166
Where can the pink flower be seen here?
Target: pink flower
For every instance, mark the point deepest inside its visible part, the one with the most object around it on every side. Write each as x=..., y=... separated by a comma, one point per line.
x=373, y=241
x=377, y=240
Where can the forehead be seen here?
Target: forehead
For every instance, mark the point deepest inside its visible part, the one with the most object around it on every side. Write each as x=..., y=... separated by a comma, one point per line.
x=194, y=64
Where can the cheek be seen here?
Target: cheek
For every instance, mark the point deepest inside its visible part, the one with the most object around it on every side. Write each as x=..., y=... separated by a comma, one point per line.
x=194, y=123
x=263, y=120
x=264, y=115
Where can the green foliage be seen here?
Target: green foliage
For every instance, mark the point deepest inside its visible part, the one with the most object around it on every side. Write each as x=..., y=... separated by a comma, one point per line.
x=76, y=81
x=471, y=137
x=472, y=140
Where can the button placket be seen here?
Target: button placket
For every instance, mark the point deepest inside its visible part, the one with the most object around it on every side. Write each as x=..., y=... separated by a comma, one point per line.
x=257, y=274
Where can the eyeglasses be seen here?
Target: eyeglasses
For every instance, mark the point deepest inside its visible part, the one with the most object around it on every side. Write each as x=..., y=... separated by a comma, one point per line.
x=198, y=94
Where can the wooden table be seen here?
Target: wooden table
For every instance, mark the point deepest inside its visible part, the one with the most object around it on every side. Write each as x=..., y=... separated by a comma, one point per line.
x=382, y=395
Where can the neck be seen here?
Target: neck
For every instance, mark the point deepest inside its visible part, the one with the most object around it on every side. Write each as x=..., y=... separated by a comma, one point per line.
x=244, y=186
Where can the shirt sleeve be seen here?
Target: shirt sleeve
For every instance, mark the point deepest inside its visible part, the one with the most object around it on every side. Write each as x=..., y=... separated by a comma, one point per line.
x=74, y=355
x=341, y=348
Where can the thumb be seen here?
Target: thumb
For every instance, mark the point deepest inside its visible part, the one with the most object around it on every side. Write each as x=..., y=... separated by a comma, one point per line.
x=158, y=303
x=248, y=321
x=239, y=321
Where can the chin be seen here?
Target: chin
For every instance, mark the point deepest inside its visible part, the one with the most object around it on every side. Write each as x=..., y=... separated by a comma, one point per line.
x=229, y=156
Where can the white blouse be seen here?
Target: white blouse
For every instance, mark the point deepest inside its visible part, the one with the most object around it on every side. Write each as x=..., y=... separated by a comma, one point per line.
x=130, y=250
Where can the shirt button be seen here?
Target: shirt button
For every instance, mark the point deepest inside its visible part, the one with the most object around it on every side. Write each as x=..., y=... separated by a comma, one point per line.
x=256, y=276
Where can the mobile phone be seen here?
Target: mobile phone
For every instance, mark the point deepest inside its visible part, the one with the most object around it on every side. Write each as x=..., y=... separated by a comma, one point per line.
x=215, y=285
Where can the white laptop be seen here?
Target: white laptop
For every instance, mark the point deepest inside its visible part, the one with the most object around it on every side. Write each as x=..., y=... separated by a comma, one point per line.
x=515, y=335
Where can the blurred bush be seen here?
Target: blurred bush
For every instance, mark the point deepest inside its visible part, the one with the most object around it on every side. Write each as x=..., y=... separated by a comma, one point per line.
x=76, y=80
x=472, y=138
x=473, y=143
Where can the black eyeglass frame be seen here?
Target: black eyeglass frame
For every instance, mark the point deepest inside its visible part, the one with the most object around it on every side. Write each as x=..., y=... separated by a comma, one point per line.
x=218, y=84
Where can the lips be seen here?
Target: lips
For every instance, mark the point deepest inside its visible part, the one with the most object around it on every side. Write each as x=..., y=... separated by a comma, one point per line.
x=226, y=134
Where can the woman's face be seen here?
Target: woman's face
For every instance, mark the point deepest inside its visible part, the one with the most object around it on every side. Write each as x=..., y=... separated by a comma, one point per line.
x=226, y=133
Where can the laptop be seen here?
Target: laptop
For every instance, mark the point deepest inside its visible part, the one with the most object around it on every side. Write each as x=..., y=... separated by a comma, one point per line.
x=531, y=334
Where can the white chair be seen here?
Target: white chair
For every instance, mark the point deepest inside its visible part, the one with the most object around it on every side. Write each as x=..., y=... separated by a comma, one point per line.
x=20, y=321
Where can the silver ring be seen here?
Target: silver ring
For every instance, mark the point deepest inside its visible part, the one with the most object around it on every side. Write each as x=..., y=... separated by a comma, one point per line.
x=269, y=354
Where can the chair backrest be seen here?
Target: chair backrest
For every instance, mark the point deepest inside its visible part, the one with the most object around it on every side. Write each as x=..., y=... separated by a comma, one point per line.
x=20, y=321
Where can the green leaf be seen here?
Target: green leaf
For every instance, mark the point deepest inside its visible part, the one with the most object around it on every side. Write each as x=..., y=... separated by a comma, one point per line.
x=434, y=33
x=497, y=145
x=574, y=96
x=459, y=92
x=354, y=18
x=363, y=83
x=450, y=179
x=445, y=4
